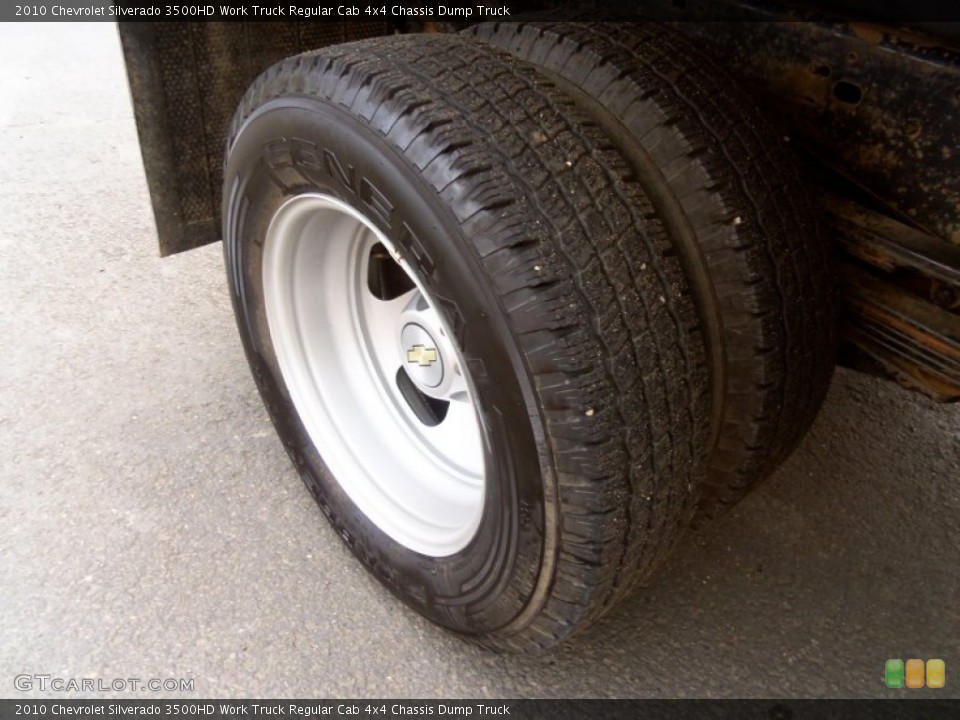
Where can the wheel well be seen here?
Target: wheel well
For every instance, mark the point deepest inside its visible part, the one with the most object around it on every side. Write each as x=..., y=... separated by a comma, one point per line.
x=186, y=79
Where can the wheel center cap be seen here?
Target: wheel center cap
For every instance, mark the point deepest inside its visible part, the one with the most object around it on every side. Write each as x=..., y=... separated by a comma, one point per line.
x=421, y=356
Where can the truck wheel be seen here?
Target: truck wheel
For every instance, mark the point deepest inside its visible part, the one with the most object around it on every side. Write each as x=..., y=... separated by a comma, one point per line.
x=728, y=193
x=469, y=329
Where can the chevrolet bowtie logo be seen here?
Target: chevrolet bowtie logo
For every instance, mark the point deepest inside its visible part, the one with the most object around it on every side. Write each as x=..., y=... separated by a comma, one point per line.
x=421, y=355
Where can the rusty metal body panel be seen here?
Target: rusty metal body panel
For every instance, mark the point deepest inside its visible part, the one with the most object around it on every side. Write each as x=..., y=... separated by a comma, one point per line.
x=916, y=342
x=878, y=105
x=901, y=290
x=876, y=111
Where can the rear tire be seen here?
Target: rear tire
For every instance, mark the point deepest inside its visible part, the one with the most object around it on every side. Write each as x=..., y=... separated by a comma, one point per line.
x=735, y=207
x=565, y=309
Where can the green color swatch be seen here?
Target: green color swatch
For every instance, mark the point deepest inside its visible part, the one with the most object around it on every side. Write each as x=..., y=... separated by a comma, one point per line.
x=893, y=673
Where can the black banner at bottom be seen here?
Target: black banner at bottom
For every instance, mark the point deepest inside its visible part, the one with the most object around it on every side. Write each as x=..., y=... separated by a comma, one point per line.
x=894, y=709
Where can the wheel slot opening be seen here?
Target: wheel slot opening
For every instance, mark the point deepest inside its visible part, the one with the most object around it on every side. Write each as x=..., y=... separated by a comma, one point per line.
x=386, y=280
x=430, y=411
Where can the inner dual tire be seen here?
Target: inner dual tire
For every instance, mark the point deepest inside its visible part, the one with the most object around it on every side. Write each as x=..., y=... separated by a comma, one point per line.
x=725, y=185
x=483, y=332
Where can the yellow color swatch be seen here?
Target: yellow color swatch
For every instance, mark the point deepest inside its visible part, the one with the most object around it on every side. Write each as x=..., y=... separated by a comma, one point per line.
x=914, y=673
x=936, y=673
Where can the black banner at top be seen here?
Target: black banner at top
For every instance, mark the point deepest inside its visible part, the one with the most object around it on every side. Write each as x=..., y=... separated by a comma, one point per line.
x=945, y=13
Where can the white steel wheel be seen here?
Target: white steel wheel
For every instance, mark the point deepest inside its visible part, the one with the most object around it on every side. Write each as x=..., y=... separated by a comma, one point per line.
x=374, y=374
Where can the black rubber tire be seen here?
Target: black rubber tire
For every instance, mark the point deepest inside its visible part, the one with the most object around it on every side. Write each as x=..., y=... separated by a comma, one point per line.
x=728, y=190
x=570, y=307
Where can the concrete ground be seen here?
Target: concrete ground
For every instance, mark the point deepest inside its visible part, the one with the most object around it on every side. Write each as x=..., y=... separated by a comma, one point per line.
x=151, y=525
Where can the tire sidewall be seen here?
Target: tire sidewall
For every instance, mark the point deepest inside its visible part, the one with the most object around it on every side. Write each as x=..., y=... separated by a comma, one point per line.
x=298, y=145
